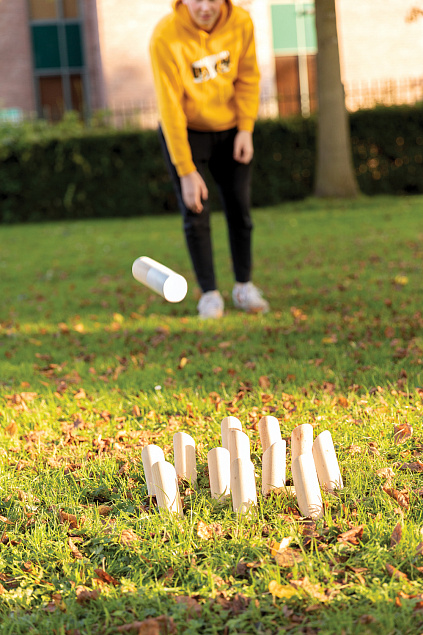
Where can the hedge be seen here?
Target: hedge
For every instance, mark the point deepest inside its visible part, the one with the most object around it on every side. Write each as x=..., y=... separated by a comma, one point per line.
x=67, y=171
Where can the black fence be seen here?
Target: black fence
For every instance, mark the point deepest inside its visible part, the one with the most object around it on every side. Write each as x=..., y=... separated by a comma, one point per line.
x=363, y=95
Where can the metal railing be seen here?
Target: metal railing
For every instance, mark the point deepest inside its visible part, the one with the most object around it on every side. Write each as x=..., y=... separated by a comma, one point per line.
x=357, y=96
x=369, y=94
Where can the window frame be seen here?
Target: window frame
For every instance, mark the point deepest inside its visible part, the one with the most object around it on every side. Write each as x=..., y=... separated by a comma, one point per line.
x=64, y=70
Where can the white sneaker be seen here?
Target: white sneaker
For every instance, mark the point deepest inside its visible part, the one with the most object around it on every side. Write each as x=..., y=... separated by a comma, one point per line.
x=247, y=297
x=211, y=305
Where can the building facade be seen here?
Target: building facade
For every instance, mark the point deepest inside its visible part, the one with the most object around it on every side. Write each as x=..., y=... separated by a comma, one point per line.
x=90, y=55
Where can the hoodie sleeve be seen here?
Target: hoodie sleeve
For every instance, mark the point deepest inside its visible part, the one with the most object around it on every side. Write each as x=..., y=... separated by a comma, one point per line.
x=170, y=94
x=247, y=92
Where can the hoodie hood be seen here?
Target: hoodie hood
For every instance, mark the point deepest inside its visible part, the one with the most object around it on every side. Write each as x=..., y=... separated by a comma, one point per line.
x=183, y=14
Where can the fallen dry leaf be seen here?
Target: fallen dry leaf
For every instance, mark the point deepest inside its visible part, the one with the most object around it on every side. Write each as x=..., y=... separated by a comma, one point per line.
x=282, y=590
x=315, y=590
x=11, y=429
x=74, y=549
x=343, y=401
x=278, y=547
x=84, y=595
x=208, y=532
x=386, y=472
x=352, y=536
x=264, y=382
x=284, y=555
x=395, y=573
x=71, y=519
x=235, y=605
x=416, y=466
x=161, y=625
x=396, y=535
x=354, y=449
x=128, y=537
x=402, y=497
x=402, y=433
x=288, y=557
x=104, y=510
x=5, y=520
x=106, y=577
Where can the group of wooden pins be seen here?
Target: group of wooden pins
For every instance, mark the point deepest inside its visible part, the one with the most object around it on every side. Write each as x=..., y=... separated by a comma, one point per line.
x=314, y=465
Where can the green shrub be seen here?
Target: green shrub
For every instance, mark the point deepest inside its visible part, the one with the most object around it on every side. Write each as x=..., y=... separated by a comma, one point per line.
x=68, y=171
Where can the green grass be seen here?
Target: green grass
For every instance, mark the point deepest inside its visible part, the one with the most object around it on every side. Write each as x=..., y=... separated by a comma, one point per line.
x=91, y=372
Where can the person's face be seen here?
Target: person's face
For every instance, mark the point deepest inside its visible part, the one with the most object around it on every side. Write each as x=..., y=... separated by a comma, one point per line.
x=204, y=13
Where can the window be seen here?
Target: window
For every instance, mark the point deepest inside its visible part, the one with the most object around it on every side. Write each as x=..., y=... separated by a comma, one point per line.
x=295, y=47
x=58, y=57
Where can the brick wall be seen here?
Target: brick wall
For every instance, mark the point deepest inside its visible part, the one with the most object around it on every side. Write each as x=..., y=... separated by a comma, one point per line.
x=125, y=30
x=376, y=42
x=16, y=83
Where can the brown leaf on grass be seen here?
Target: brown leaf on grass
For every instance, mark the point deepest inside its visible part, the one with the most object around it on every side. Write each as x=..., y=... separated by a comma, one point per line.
x=243, y=568
x=128, y=537
x=416, y=466
x=136, y=412
x=182, y=363
x=284, y=555
x=74, y=549
x=308, y=531
x=84, y=595
x=104, y=510
x=2, y=589
x=315, y=590
x=191, y=604
x=5, y=520
x=352, y=536
x=208, y=532
x=235, y=605
x=71, y=519
x=161, y=625
x=354, y=449
x=284, y=591
x=396, y=535
x=402, y=497
x=81, y=394
x=264, y=382
x=288, y=558
x=12, y=428
x=402, y=433
x=395, y=573
x=5, y=540
x=372, y=449
x=106, y=577
x=386, y=472
x=343, y=401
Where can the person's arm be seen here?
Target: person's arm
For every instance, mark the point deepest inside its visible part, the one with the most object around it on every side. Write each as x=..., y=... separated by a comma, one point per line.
x=169, y=91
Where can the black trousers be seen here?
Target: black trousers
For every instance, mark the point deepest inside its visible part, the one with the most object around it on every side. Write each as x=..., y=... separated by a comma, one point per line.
x=215, y=150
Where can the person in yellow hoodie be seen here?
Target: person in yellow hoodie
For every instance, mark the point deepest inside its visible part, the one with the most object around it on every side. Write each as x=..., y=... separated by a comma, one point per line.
x=207, y=84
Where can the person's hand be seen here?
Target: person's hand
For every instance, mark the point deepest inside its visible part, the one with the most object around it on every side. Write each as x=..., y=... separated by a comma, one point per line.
x=194, y=191
x=243, y=146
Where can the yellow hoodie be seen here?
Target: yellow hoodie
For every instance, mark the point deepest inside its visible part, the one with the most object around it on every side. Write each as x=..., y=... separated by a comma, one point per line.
x=204, y=81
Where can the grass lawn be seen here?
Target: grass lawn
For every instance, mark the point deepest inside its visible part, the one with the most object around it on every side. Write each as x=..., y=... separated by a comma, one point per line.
x=94, y=366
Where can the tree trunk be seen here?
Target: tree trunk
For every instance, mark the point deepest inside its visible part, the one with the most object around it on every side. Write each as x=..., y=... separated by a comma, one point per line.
x=334, y=171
